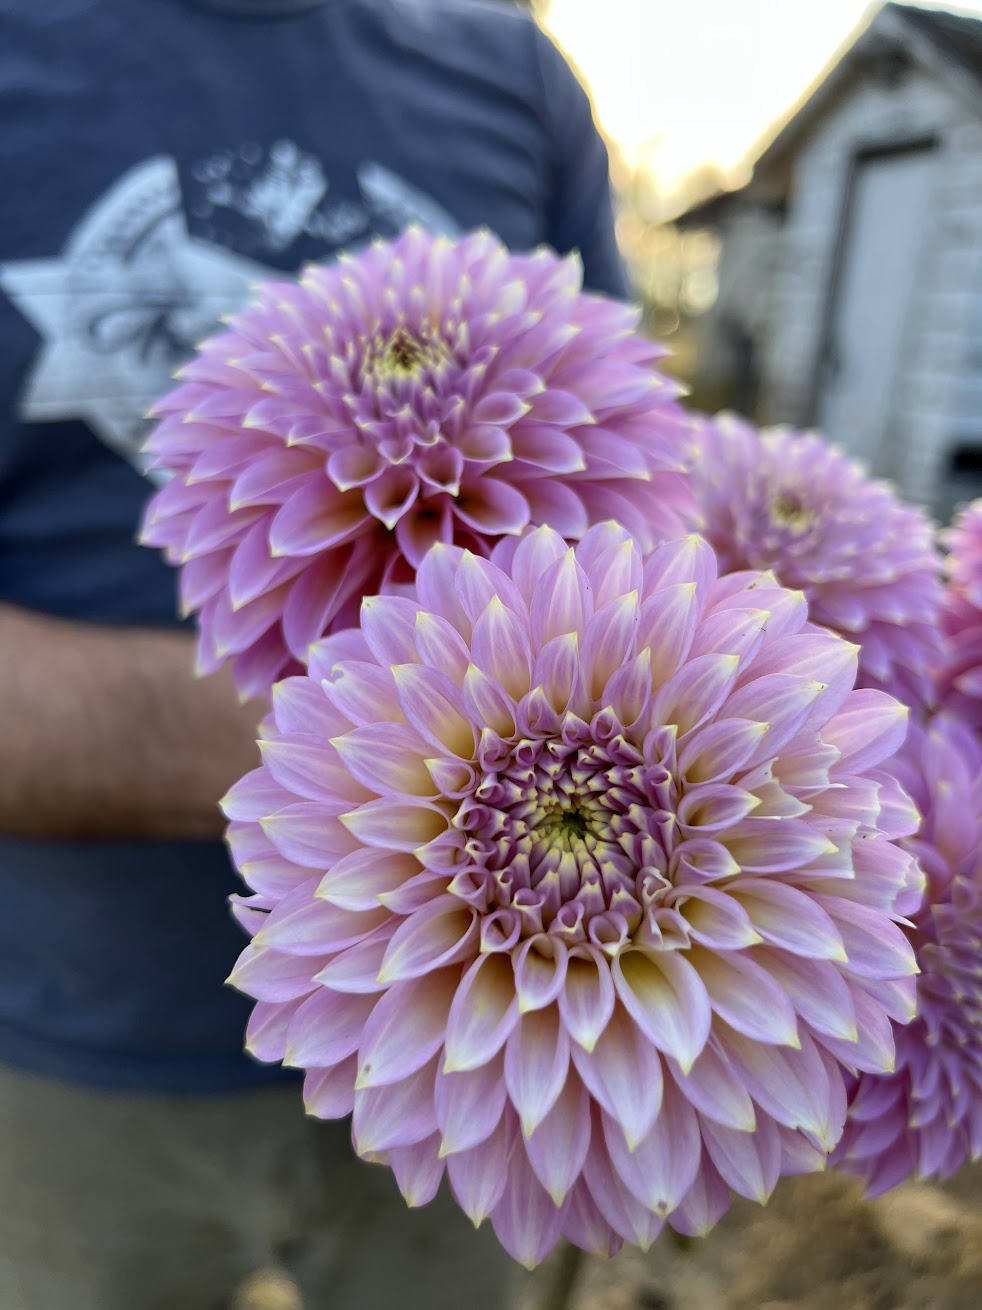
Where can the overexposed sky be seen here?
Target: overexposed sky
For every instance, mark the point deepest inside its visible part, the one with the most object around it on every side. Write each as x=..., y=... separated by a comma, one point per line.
x=679, y=83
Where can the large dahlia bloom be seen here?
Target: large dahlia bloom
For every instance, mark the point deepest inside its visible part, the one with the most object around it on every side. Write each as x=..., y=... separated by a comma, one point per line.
x=961, y=679
x=790, y=502
x=574, y=877
x=926, y=1118
x=420, y=391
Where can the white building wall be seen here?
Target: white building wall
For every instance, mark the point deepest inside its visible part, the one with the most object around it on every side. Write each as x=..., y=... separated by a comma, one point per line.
x=944, y=328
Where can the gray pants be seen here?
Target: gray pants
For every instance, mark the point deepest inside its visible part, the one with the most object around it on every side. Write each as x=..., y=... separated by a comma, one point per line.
x=123, y=1201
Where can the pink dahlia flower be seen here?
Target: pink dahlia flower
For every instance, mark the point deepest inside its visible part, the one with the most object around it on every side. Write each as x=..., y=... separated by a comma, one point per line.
x=926, y=1118
x=961, y=680
x=575, y=877
x=792, y=503
x=421, y=391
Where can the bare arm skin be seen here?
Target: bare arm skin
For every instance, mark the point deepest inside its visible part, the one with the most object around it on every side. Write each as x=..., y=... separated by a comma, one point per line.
x=107, y=733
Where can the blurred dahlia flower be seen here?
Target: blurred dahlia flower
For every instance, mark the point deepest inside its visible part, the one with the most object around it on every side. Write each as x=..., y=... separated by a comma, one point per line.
x=961, y=679
x=420, y=391
x=926, y=1118
x=790, y=502
x=575, y=877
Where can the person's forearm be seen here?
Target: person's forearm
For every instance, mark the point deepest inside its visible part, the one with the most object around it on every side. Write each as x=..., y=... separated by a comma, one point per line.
x=106, y=732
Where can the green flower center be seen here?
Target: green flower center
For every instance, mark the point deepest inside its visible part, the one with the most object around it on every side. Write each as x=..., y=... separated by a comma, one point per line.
x=788, y=510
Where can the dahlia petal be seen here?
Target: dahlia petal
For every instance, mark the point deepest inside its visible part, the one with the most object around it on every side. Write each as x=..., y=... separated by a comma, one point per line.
x=308, y=834
x=525, y=1221
x=425, y=525
x=469, y=1106
x=440, y=933
x=749, y=1162
x=817, y=991
x=353, y=466
x=704, y=1204
x=558, y=504
x=667, y=625
x=627, y=1216
x=266, y=1029
x=434, y=707
x=486, y=702
x=536, y=1063
x=585, y=1226
x=254, y=797
x=483, y=1014
x=405, y=1029
x=558, y=1147
x=713, y=807
x=398, y=1114
x=349, y=644
x=490, y=506
x=326, y=1029
x=318, y=595
x=540, y=972
x=875, y=948
x=547, y=448
x=418, y=1170
x=608, y=641
x=309, y=767
x=586, y=1001
x=628, y=692
x=623, y=1073
x=251, y=571
x=714, y=1088
x=391, y=494
x=790, y=1085
x=688, y=560
x=715, y=919
x=761, y=846
x=386, y=758
x=330, y=1093
x=314, y=520
x=719, y=750
x=440, y=646
x=388, y=624
x=356, y=968
x=695, y=691
x=501, y=649
x=300, y=707
x=393, y=826
x=874, y=1050
x=271, y=975
x=478, y=1176
x=869, y=728
x=317, y=928
x=527, y=559
x=362, y=694
x=436, y=587
x=663, y=1166
x=786, y=917
x=665, y=997
x=781, y=700
x=557, y=671
x=559, y=603
x=746, y=996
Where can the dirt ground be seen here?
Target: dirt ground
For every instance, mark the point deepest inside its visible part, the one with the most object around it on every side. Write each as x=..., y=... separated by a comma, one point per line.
x=817, y=1246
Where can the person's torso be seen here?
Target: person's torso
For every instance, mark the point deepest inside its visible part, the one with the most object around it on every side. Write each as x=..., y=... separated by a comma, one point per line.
x=156, y=161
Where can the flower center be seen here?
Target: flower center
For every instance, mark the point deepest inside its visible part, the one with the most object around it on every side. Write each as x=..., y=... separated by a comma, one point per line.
x=570, y=835
x=406, y=355
x=788, y=510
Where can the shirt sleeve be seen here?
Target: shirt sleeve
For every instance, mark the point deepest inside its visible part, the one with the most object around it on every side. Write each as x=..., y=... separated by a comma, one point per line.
x=580, y=213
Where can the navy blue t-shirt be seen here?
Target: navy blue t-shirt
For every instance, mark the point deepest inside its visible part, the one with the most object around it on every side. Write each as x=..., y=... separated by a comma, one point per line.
x=157, y=157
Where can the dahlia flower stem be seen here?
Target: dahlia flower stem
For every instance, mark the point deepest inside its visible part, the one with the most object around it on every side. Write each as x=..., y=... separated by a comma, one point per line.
x=564, y=1273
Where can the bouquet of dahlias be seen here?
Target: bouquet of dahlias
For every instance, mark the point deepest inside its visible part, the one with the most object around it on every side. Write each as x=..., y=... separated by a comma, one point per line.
x=590, y=865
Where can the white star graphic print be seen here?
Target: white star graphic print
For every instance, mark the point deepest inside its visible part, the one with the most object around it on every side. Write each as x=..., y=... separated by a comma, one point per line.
x=122, y=306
